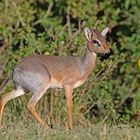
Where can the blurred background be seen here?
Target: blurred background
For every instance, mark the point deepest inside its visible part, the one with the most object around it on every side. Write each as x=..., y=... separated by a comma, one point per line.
x=111, y=94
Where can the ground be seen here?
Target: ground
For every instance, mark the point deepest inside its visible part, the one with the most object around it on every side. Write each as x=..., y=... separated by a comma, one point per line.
x=28, y=129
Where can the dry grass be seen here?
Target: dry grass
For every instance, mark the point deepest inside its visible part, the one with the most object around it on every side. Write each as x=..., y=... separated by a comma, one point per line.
x=28, y=129
x=20, y=125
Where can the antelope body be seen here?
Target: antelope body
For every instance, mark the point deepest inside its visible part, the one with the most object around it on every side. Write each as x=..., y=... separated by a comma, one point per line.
x=37, y=73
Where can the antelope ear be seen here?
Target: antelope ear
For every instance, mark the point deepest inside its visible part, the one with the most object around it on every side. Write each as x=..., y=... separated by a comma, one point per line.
x=104, y=32
x=87, y=32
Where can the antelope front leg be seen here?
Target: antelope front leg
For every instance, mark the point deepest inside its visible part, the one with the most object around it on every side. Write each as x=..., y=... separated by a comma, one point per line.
x=69, y=91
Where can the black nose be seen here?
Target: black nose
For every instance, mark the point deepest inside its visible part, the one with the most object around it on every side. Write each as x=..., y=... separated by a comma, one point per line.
x=104, y=56
x=111, y=52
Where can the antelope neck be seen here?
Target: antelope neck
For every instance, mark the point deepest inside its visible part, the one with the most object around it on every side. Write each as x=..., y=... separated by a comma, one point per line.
x=88, y=62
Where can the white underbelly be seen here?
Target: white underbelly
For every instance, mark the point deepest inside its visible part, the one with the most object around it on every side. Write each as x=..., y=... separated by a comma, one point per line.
x=79, y=83
x=55, y=84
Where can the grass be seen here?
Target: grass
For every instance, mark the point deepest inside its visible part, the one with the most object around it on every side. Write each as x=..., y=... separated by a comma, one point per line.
x=20, y=125
x=29, y=129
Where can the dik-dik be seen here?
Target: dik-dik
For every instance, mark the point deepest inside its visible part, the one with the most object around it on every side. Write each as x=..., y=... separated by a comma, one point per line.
x=37, y=73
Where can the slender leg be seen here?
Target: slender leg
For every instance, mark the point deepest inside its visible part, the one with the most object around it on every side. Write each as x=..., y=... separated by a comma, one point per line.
x=31, y=106
x=11, y=95
x=69, y=91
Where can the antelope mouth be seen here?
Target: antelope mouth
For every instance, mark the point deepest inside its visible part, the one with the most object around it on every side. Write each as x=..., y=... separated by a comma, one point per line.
x=105, y=55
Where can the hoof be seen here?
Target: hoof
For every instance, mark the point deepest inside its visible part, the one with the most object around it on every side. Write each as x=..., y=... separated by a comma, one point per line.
x=52, y=126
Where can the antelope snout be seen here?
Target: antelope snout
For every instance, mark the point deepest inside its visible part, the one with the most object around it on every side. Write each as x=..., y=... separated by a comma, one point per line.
x=107, y=51
x=110, y=52
x=106, y=54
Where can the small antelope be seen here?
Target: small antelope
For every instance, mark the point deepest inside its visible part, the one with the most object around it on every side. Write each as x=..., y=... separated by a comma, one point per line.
x=37, y=73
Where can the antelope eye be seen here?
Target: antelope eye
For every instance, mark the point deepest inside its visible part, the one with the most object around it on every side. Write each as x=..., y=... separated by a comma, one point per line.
x=95, y=42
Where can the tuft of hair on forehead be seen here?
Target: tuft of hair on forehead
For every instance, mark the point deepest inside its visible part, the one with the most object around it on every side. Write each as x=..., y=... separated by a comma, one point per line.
x=95, y=30
x=96, y=33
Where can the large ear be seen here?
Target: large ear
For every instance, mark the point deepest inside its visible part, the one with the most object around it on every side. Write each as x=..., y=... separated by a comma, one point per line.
x=87, y=33
x=104, y=32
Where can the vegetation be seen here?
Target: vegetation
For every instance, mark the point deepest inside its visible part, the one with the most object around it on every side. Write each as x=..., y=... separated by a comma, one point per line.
x=111, y=95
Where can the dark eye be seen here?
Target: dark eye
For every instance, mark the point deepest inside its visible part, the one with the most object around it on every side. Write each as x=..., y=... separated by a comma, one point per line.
x=95, y=42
